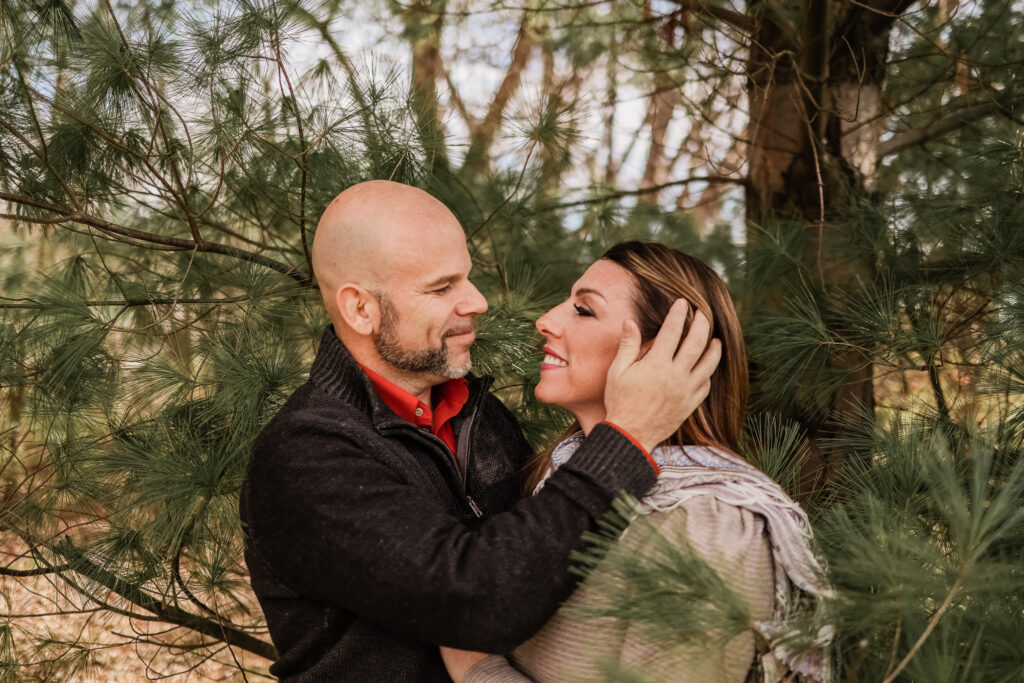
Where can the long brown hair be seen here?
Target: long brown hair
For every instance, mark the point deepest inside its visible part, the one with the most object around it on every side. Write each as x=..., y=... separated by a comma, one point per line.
x=662, y=275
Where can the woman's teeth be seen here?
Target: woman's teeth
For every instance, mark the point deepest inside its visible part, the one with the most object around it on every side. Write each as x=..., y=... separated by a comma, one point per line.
x=552, y=360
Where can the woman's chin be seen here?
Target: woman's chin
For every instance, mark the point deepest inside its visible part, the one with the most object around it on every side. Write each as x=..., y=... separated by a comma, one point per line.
x=549, y=395
x=541, y=393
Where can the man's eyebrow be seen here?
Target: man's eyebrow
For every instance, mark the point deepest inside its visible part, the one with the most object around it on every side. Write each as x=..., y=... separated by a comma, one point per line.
x=588, y=290
x=439, y=281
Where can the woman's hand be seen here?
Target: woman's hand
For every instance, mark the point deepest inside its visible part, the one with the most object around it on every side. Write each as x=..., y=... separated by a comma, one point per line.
x=460, y=661
x=650, y=398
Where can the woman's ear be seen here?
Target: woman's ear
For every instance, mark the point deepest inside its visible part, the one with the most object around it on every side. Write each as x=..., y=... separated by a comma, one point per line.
x=358, y=308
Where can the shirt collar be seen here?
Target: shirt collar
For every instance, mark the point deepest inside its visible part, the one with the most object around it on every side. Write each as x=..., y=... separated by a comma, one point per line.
x=448, y=400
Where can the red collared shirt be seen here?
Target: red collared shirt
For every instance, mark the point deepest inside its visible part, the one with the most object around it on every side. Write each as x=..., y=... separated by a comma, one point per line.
x=448, y=399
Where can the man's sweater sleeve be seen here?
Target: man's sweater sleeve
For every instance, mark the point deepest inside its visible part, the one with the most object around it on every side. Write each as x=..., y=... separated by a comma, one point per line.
x=341, y=527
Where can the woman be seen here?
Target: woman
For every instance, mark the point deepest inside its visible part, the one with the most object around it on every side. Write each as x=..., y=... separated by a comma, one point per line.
x=732, y=515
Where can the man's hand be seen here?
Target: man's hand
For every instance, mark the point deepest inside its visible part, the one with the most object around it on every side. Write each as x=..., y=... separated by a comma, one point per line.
x=650, y=397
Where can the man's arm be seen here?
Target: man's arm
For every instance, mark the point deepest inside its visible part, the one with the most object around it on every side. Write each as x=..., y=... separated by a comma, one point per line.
x=339, y=526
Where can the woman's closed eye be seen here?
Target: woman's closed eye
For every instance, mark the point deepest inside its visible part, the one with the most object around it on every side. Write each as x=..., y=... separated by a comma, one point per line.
x=583, y=311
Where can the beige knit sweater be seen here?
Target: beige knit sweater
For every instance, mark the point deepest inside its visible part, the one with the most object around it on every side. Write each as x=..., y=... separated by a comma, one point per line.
x=733, y=540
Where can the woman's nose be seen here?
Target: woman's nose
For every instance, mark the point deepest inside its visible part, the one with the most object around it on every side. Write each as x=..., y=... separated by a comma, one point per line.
x=546, y=324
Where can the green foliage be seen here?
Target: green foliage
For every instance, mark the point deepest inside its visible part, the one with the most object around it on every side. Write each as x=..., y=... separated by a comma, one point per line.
x=162, y=168
x=930, y=527
x=778, y=449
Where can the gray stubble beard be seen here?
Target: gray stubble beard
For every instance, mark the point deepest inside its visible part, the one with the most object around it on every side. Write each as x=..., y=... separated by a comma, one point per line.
x=434, y=361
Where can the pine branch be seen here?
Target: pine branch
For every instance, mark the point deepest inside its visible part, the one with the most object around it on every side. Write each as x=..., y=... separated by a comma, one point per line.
x=940, y=396
x=158, y=125
x=324, y=29
x=290, y=98
x=41, y=153
x=645, y=190
x=33, y=304
x=932, y=623
x=918, y=136
x=176, y=572
x=134, y=594
x=38, y=571
x=64, y=214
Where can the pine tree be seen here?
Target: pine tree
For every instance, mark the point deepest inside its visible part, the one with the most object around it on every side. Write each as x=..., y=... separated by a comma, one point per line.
x=163, y=168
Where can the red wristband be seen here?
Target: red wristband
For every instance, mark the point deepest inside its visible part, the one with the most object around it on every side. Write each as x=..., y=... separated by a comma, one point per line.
x=657, y=470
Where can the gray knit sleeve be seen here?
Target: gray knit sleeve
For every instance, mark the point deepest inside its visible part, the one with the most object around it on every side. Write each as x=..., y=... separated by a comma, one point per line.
x=495, y=669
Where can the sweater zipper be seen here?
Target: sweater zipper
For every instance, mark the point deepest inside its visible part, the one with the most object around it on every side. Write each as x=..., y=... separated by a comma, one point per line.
x=461, y=457
x=447, y=457
x=463, y=451
x=465, y=433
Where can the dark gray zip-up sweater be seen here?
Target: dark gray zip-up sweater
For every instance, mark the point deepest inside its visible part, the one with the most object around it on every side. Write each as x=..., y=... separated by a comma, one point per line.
x=367, y=546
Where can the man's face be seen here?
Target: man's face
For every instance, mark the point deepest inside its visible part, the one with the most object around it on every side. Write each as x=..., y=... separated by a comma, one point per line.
x=427, y=312
x=429, y=359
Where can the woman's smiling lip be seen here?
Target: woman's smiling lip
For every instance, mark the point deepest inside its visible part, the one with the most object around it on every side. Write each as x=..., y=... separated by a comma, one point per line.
x=552, y=361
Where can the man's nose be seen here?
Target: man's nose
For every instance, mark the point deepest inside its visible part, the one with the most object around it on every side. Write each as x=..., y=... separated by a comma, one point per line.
x=473, y=302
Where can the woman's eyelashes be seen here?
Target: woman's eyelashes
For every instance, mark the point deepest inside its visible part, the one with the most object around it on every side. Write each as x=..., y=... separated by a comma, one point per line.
x=583, y=311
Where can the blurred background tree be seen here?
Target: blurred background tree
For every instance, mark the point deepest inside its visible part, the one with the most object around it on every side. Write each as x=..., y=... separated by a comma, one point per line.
x=853, y=169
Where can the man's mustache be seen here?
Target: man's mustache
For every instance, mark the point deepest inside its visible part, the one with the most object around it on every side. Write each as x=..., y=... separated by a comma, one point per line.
x=456, y=331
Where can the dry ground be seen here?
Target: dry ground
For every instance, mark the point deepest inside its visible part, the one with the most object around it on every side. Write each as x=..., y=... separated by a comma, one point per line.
x=45, y=618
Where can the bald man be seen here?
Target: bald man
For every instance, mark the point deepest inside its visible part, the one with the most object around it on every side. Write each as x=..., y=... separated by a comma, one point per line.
x=382, y=503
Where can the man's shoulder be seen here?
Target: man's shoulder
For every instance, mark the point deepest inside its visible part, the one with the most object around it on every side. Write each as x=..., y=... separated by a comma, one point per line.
x=311, y=402
x=309, y=414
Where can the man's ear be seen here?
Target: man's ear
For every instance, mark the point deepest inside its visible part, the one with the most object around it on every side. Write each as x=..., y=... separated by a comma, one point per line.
x=358, y=308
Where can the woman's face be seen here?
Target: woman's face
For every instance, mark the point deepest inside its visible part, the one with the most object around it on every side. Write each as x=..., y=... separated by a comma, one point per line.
x=581, y=336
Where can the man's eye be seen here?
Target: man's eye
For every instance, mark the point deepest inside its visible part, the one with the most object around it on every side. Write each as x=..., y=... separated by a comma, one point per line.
x=442, y=290
x=583, y=311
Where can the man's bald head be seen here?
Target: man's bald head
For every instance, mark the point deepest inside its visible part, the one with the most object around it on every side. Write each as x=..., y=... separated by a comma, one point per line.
x=393, y=270
x=369, y=233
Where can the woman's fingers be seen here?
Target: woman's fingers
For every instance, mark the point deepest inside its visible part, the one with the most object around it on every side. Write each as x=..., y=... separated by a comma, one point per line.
x=696, y=342
x=651, y=397
x=665, y=344
x=629, y=349
x=707, y=364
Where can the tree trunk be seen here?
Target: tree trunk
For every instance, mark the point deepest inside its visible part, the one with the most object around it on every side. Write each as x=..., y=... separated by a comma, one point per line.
x=815, y=121
x=481, y=139
x=663, y=104
x=424, y=21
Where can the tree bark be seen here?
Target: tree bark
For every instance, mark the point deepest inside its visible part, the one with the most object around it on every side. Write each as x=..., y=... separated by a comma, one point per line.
x=424, y=21
x=663, y=105
x=815, y=122
x=483, y=137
